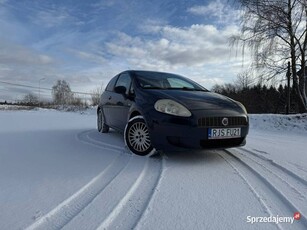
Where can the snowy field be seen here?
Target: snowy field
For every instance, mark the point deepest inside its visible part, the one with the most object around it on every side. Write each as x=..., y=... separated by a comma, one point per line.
x=58, y=172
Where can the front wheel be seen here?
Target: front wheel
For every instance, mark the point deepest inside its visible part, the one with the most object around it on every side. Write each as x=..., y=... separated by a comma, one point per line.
x=137, y=137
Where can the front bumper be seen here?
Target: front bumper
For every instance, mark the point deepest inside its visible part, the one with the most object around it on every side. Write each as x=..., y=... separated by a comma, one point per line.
x=171, y=133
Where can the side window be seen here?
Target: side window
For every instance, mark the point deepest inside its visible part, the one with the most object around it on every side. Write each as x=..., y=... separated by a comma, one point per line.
x=124, y=80
x=111, y=84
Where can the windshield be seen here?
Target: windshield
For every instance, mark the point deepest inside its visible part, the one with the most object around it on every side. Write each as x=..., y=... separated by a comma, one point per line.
x=156, y=80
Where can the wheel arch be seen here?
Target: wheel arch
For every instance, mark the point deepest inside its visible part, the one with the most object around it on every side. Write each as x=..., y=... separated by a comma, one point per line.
x=134, y=114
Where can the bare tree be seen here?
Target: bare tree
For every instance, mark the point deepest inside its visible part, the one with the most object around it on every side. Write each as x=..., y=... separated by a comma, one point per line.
x=30, y=99
x=226, y=88
x=77, y=101
x=276, y=32
x=61, y=93
x=245, y=80
x=95, y=95
x=217, y=88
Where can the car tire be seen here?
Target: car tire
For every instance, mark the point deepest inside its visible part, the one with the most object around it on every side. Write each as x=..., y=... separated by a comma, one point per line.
x=101, y=125
x=137, y=137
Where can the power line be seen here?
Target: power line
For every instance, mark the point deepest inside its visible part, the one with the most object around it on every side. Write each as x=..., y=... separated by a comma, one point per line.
x=35, y=87
x=26, y=86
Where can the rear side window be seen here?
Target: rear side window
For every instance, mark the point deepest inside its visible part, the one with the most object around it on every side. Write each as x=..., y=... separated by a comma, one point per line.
x=124, y=80
x=111, y=84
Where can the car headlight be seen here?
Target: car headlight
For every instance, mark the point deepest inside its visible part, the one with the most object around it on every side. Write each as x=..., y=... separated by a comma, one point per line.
x=172, y=107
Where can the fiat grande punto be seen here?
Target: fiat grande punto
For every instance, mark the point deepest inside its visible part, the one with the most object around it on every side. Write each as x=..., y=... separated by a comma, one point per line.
x=159, y=111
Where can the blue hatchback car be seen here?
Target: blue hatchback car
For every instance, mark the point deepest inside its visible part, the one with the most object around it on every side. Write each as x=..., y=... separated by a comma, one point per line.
x=159, y=111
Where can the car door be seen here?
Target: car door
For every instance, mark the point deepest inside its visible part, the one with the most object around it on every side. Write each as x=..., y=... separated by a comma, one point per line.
x=121, y=102
x=107, y=101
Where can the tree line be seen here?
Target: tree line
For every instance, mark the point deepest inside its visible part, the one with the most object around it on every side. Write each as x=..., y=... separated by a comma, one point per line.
x=62, y=96
x=260, y=98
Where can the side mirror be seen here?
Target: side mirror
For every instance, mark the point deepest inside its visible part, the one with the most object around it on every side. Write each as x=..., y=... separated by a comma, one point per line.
x=120, y=90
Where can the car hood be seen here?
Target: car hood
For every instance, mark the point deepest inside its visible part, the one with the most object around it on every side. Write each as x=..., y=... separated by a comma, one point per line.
x=198, y=100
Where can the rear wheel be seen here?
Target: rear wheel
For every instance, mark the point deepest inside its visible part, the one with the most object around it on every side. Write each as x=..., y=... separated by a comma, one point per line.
x=101, y=125
x=137, y=137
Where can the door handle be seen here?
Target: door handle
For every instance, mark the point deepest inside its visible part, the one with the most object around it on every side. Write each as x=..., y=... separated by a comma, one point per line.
x=110, y=98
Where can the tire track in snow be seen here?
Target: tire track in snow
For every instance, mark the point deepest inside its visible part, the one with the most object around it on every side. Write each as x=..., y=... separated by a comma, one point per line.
x=266, y=189
x=131, y=191
x=127, y=216
x=72, y=206
x=293, y=188
x=299, y=167
x=289, y=178
x=122, y=203
x=85, y=138
x=275, y=164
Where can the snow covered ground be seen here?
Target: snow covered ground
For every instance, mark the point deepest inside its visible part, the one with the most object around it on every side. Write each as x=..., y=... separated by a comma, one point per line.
x=58, y=172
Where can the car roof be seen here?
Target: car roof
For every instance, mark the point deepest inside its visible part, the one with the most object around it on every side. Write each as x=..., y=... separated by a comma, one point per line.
x=146, y=71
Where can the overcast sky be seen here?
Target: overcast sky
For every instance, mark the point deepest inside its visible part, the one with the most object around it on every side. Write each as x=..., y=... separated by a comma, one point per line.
x=88, y=42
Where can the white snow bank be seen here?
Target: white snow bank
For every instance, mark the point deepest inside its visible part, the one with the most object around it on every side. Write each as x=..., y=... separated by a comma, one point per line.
x=276, y=122
x=91, y=110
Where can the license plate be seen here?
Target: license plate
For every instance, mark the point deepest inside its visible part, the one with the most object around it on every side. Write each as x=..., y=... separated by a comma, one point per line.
x=224, y=133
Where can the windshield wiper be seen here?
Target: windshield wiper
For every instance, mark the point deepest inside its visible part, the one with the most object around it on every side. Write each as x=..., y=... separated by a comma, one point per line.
x=153, y=87
x=185, y=88
x=175, y=88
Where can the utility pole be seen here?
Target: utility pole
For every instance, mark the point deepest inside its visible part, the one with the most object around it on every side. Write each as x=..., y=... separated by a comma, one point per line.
x=288, y=89
x=39, y=91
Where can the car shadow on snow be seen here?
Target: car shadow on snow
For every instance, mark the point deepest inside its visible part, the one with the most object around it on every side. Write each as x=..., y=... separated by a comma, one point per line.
x=185, y=156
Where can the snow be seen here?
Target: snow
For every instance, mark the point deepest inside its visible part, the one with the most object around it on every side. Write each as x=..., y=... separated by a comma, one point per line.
x=282, y=138
x=58, y=172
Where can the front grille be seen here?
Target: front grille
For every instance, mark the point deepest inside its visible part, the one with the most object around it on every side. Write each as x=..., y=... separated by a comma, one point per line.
x=217, y=121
